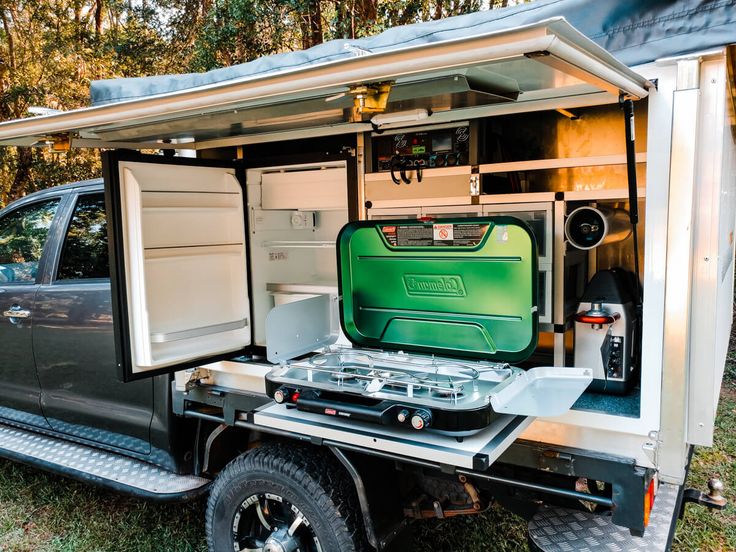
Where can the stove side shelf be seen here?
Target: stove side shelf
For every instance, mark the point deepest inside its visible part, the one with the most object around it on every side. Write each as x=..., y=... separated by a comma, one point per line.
x=476, y=452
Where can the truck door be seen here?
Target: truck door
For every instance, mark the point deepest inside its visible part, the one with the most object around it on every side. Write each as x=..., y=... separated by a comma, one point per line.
x=23, y=235
x=178, y=260
x=73, y=338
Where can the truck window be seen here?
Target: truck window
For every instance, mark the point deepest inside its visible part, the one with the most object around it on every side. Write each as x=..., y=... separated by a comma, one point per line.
x=23, y=235
x=85, y=248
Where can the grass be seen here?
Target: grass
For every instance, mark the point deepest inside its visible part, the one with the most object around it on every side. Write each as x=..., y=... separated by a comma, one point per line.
x=40, y=512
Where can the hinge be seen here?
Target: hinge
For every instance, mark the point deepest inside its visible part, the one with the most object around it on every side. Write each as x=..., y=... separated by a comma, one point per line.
x=57, y=143
x=369, y=99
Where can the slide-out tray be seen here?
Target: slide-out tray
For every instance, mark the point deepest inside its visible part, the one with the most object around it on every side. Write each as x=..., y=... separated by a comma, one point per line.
x=476, y=452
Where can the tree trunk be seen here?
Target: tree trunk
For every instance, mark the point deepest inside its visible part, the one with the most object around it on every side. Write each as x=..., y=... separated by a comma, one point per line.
x=315, y=23
x=99, y=4
x=22, y=173
x=9, y=39
x=438, y=10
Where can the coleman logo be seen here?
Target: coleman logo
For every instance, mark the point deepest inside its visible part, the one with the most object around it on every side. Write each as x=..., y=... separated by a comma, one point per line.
x=434, y=284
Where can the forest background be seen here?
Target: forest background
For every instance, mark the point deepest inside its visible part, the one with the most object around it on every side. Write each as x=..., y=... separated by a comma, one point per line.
x=50, y=51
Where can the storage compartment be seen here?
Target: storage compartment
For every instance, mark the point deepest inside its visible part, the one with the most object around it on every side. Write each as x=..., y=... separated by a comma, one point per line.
x=539, y=167
x=295, y=213
x=435, y=183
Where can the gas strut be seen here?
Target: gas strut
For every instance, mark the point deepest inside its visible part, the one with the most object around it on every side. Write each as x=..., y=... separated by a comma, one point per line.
x=628, y=107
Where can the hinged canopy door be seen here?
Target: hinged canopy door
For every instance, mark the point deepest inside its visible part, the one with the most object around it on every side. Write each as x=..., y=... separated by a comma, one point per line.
x=453, y=75
x=180, y=287
x=456, y=287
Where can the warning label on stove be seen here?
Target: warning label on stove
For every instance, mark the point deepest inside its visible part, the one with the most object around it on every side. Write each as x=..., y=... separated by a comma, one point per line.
x=445, y=234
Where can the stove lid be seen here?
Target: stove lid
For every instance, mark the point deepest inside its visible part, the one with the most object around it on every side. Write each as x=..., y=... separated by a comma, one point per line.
x=459, y=287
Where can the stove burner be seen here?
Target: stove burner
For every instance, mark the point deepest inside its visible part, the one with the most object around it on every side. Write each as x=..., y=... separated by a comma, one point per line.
x=446, y=386
x=342, y=359
x=412, y=381
x=344, y=374
x=448, y=392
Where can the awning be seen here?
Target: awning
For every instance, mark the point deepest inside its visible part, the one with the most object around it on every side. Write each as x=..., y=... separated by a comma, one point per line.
x=545, y=65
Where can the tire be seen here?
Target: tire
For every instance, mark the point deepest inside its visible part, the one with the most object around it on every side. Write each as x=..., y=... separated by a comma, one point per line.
x=308, y=482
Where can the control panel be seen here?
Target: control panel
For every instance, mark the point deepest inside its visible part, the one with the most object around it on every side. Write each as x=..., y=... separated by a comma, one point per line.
x=411, y=150
x=615, y=357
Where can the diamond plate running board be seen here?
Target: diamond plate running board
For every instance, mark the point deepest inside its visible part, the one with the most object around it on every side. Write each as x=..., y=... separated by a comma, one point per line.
x=97, y=466
x=567, y=530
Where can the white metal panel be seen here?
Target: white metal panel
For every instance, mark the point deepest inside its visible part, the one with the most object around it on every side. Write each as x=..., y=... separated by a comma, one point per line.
x=322, y=188
x=395, y=213
x=572, y=65
x=299, y=327
x=559, y=163
x=712, y=290
x=678, y=279
x=184, y=253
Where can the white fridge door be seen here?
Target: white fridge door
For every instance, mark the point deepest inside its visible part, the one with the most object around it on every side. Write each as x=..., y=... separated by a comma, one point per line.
x=179, y=274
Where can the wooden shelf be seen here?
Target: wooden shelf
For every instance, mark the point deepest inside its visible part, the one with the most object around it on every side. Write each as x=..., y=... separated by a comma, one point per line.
x=558, y=163
x=605, y=194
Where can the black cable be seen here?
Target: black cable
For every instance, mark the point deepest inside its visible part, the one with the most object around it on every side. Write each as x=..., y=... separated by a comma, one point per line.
x=404, y=165
x=393, y=164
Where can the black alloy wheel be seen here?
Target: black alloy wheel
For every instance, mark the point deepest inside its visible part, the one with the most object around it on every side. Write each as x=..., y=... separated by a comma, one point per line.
x=284, y=497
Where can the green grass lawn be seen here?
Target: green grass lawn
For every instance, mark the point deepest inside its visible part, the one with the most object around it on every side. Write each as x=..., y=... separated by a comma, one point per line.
x=41, y=512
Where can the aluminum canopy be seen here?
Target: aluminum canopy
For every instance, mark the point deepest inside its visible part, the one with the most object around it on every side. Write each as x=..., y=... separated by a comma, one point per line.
x=540, y=66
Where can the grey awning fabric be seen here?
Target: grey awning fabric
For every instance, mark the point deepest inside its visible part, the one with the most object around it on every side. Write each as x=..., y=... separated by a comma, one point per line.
x=635, y=31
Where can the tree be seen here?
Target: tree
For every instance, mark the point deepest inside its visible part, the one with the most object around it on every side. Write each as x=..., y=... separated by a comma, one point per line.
x=50, y=50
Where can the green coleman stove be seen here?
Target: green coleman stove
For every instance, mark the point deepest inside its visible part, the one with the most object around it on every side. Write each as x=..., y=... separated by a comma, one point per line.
x=436, y=312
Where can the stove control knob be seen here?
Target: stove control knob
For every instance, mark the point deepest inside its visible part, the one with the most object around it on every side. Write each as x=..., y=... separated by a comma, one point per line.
x=281, y=395
x=421, y=419
x=403, y=415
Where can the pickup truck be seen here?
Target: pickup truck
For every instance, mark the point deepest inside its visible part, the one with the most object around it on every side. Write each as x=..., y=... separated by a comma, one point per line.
x=274, y=228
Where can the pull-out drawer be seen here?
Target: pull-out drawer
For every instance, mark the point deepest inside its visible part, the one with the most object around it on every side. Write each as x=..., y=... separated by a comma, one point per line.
x=475, y=452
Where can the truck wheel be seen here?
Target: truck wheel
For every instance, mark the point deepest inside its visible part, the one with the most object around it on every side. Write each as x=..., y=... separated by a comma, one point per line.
x=284, y=498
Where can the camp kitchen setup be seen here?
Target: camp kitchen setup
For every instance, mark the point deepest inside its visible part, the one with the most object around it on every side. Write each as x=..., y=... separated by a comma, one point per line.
x=484, y=250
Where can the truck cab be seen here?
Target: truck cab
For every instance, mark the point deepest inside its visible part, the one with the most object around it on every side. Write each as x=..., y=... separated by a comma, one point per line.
x=58, y=367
